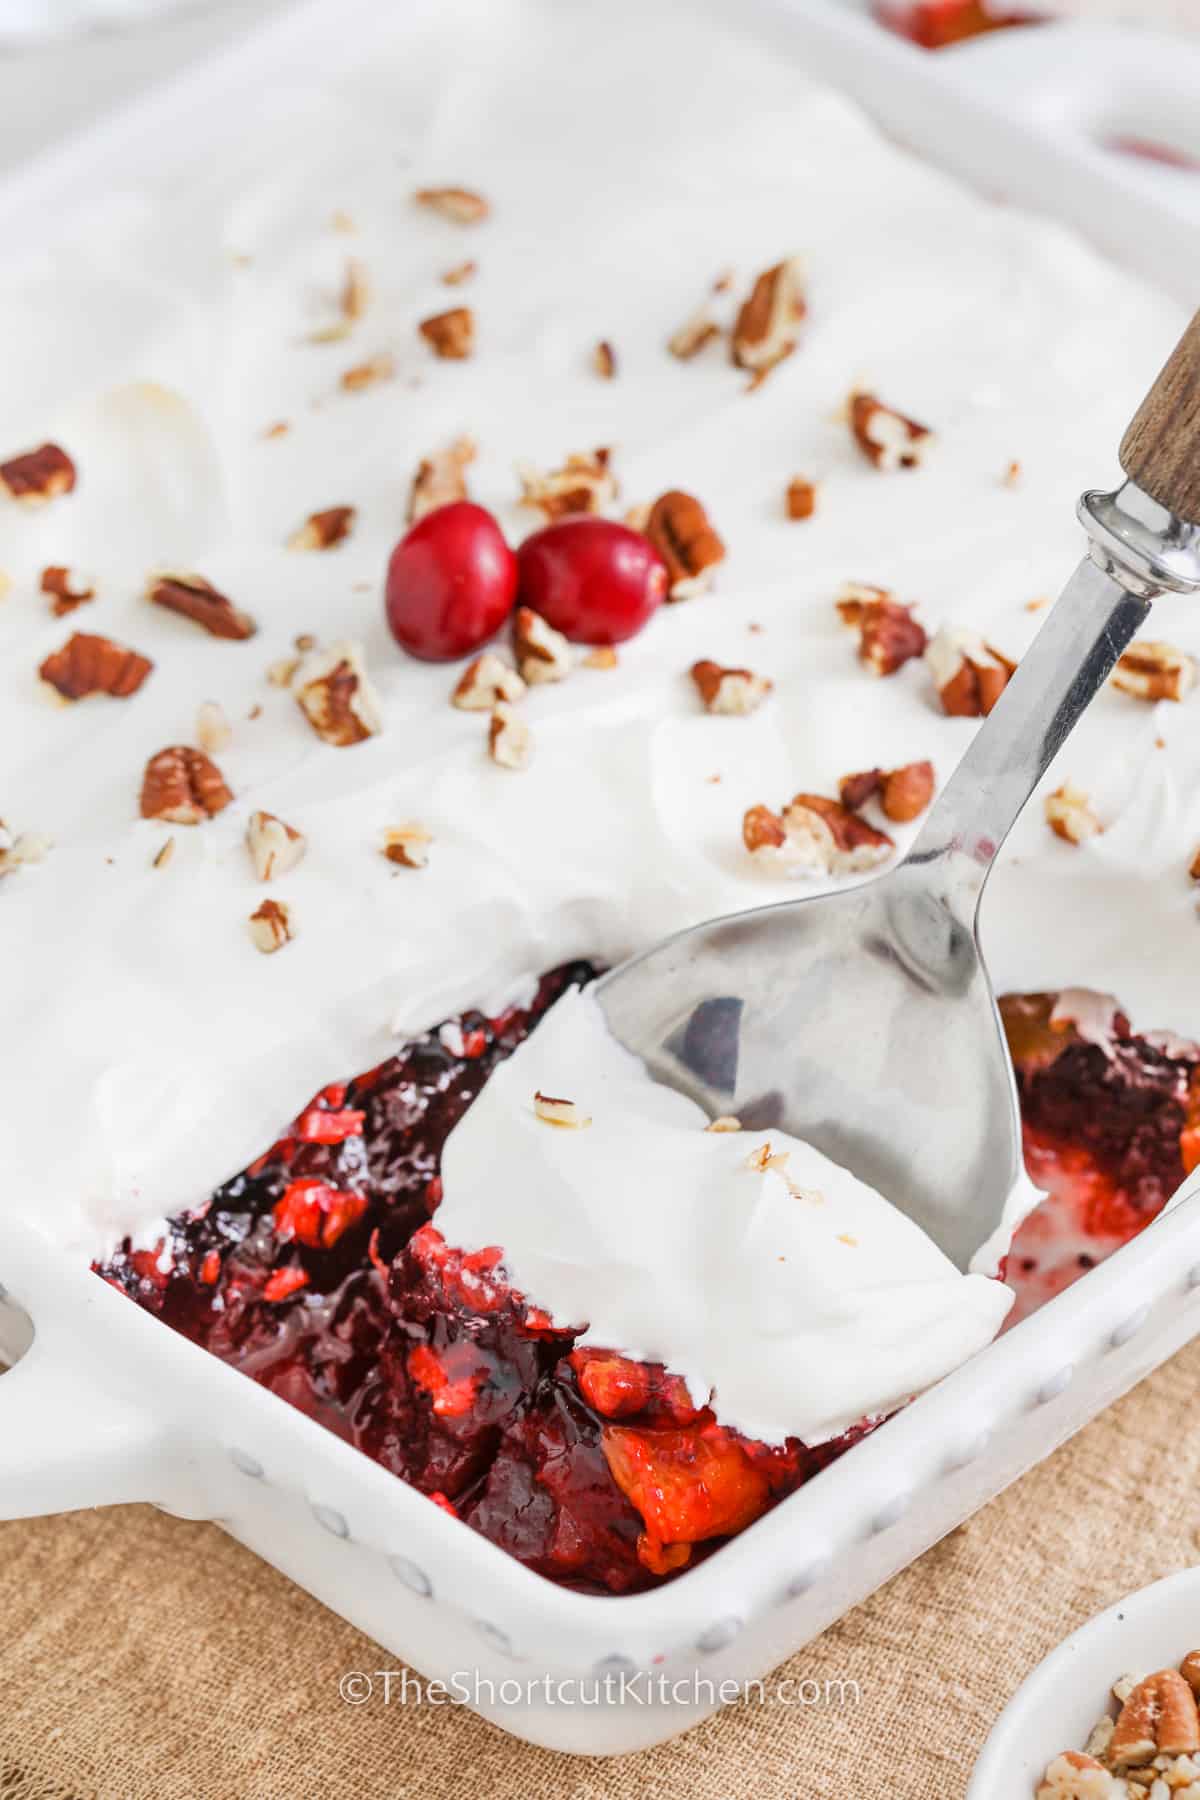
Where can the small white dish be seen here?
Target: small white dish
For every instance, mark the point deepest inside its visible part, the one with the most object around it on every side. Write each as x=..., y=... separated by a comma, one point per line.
x=1056, y=1706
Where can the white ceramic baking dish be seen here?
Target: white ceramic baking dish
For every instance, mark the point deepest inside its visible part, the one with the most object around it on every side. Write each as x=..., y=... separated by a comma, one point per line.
x=105, y=1405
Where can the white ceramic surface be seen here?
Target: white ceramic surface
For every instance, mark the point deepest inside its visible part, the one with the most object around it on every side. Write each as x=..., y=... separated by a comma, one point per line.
x=107, y=1406
x=1056, y=1706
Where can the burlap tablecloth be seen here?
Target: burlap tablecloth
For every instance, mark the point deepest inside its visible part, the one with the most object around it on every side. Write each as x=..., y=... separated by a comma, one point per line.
x=142, y=1658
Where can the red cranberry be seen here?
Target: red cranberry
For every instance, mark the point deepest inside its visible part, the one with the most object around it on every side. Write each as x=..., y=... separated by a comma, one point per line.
x=593, y=580
x=451, y=583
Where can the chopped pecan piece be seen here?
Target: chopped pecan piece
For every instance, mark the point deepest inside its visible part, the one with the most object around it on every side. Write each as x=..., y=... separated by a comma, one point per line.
x=38, y=475
x=903, y=793
x=271, y=927
x=274, y=846
x=564, y=1113
x=441, y=478
x=1069, y=814
x=604, y=360
x=19, y=851
x=183, y=786
x=369, y=373
x=461, y=272
x=197, y=599
x=766, y=328
x=486, y=681
x=407, y=845
x=163, y=854
x=801, y=498
x=1158, y=1719
x=338, y=701
x=87, y=664
x=907, y=791
x=1194, y=865
x=543, y=654
x=815, y=836
x=67, y=589
x=679, y=529
x=888, y=635
x=733, y=691
x=213, y=730
x=584, y=484
x=969, y=674
x=510, y=741
x=450, y=334
x=724, y=1122
x=1150, y=670
x=356, y=290
x=691, y=337
x=604, y=656
x=462, y=205
x=322, y=530
x=1076, y=1776
x=890, y=440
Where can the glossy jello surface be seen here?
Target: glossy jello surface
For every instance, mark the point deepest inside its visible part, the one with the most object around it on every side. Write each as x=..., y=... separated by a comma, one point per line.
x=319, y=1272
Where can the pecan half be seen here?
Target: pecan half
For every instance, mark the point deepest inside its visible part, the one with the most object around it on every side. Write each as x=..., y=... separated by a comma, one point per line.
x=510, y=741
x=192, y=597
x=213, y=730
x=450, y=334
x=370, y=373
x=1158, y=1719
x=732, y=691
x=969, y=674
x=461, y=205
x=274, y=846
x=888, y=634
x=272, y=926
x=543, y=653
x=801, y=498
x=183, y=786
x=1069, y=814
x=67, y=589
x=766, y=329
x=484, y=682
x=604, y=360
x=815, y=836
x=886, y=437
x=407, y=845
x=691, y=337
x=1150, y=670
x=584, y=484
x=441, y=478
x=679, y=529
x=87, y=664
x=322, y=530
x=332, y=690
x=38, y=475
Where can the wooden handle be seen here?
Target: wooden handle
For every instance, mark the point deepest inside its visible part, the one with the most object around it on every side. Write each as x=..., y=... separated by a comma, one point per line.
x=1161, y=449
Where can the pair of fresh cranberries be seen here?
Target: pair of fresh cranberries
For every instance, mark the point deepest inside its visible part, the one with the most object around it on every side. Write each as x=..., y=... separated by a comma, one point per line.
x=453, y=581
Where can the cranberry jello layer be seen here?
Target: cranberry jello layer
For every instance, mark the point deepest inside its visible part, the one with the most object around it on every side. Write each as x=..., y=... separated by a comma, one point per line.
x=320, y=1272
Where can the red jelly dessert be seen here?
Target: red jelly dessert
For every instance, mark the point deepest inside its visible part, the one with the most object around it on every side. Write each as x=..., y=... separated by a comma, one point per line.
x=1111, y=1127
x=318, y=1272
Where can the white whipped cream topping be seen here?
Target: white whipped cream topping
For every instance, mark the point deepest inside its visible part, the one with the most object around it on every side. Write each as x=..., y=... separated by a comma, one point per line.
x=794, y=1297
x=151, y=1050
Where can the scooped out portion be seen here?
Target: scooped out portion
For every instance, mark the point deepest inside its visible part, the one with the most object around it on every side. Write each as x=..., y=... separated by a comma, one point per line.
x=349, y=1271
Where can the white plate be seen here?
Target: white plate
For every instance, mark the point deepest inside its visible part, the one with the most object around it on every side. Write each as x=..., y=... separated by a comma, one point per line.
x=1055, y=1708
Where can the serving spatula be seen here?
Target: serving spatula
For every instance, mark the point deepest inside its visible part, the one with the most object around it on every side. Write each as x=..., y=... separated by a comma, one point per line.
x=864, y=1020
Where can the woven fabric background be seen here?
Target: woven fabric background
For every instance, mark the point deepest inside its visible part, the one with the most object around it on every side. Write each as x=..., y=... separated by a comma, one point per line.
x=143, y=1658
